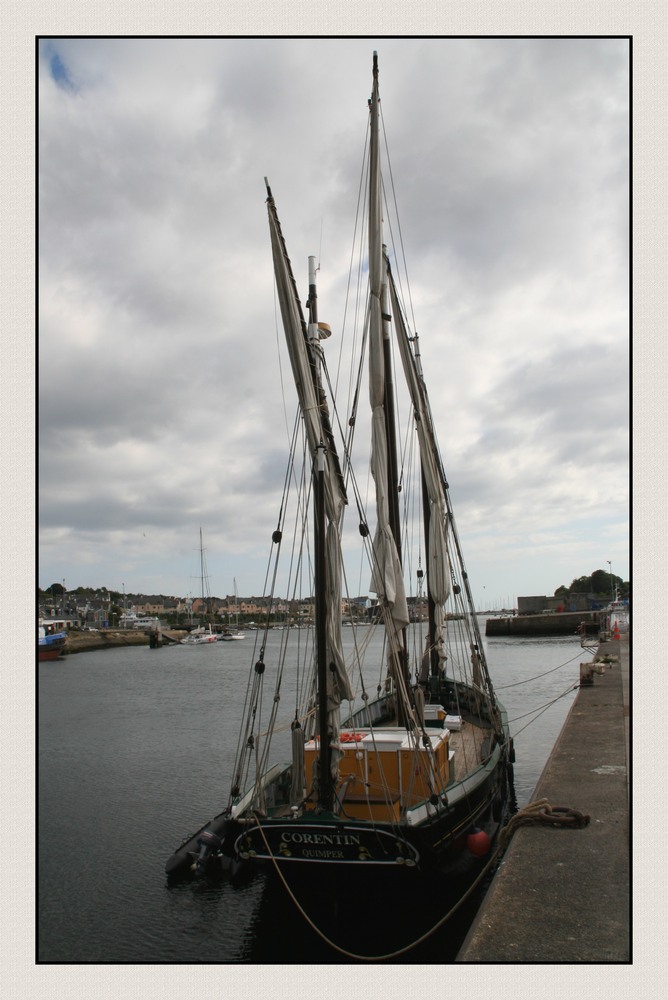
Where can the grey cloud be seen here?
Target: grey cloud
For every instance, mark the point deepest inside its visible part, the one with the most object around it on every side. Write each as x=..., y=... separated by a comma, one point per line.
x=161, y=397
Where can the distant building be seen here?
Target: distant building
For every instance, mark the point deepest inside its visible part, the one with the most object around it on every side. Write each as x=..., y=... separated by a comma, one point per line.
x=531, y=605
x=565, y=602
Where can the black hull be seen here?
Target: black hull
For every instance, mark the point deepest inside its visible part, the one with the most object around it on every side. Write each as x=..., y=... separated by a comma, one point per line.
x=380, y=893
x=316, y=844
x=408, y=918
x=439, y=844
x=402, y=887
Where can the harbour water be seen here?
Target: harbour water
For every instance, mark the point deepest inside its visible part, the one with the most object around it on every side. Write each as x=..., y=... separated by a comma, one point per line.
x=135, y=752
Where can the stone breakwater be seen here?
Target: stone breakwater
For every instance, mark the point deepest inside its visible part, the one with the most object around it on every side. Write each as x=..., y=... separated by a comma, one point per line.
x=85, y=642
x=564, y=623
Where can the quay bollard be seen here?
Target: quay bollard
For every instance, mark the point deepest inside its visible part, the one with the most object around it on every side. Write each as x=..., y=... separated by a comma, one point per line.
x=586, y=674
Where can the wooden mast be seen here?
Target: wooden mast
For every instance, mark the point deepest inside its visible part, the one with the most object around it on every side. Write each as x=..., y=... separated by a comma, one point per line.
x=325, y=788
x=206, y=602
x=431, y=606
x=399, y=657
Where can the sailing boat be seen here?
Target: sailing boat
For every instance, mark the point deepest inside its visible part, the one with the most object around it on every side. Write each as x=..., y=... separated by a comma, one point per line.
x=204, y=634
x=412, y=782
x=227, y=635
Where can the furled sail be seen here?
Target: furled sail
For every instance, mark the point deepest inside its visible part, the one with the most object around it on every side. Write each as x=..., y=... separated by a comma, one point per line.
x=313, y=404
x=438, y=563
x=387, y=576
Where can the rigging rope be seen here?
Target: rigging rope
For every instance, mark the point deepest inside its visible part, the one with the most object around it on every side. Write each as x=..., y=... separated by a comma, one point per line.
x=539, y=711
x=535, y=813
x=527, y=680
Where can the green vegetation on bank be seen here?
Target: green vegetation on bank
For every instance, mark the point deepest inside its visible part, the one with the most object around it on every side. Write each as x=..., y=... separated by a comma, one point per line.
x=601, y=583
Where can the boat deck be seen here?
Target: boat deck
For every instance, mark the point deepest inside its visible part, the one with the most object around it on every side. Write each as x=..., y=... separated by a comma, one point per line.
x=468, y=745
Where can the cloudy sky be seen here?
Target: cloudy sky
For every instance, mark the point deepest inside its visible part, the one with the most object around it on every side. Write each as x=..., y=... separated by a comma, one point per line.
x=160, y=401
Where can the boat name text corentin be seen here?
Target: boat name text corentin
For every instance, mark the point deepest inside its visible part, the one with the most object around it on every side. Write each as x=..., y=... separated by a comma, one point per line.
x=320, y=838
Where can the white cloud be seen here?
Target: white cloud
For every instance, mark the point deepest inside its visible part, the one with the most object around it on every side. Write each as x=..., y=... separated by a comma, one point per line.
x=161, y=402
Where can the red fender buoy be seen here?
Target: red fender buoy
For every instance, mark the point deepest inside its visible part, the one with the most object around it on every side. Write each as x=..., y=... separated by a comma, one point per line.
x=478, y=842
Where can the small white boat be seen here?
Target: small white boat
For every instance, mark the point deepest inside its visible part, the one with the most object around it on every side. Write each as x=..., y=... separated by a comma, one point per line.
x=132, y=620
x=204, y=634
x=200, y=636
x=230, y=635
x=618, y=616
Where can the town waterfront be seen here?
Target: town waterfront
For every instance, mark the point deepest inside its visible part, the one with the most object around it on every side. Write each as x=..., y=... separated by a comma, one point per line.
x=136, y=747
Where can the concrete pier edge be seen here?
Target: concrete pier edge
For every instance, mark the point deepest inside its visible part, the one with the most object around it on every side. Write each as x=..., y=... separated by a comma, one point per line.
x=562, y=895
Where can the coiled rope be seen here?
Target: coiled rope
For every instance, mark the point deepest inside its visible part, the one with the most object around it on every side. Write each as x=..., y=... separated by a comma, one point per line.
x=540, y=811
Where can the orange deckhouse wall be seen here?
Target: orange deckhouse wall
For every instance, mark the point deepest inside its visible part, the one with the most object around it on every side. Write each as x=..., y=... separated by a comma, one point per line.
x=386, y=771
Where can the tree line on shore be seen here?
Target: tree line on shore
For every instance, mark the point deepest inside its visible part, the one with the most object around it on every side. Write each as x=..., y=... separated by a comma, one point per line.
x=602, y=583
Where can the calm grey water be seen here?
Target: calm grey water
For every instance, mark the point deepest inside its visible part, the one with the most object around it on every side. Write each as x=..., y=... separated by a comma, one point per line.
x=135, y=752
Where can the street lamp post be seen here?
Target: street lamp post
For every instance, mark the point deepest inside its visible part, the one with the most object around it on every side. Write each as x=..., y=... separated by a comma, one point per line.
x=612, y=589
